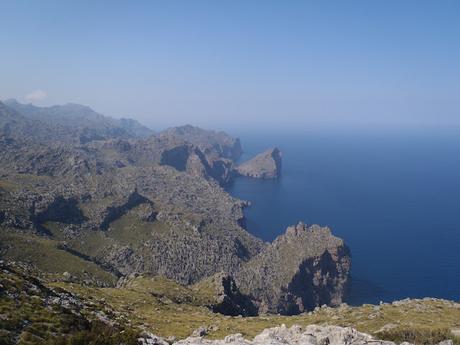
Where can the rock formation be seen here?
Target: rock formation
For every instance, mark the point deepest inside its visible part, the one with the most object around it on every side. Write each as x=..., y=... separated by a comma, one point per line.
x=153, y=206
x=217, y=144
x=297, y=335
x=265, y=165
x=301, y=269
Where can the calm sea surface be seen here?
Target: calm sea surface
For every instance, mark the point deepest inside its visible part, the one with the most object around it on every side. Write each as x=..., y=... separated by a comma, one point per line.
x=393, y=197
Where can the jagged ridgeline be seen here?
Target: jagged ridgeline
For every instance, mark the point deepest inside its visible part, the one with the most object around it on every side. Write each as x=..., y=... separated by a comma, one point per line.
x=98, y=201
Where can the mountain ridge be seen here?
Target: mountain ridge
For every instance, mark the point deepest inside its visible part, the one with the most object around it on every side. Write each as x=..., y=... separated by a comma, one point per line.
x=124, y=205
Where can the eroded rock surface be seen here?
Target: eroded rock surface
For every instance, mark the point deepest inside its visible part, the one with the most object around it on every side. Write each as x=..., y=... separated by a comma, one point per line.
x=303, y=268
x=296, y=335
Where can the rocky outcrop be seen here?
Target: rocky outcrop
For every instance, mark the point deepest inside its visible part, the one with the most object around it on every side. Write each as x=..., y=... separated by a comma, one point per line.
x=297, y=335
x=227, y=299
x=303, y=268
x=266, y=165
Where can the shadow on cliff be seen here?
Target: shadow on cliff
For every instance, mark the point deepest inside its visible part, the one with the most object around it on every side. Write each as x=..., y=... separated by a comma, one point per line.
x=317, y=282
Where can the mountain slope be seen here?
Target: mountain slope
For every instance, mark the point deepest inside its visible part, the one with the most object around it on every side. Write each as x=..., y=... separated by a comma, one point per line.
x=116, y=206
x=83, y=120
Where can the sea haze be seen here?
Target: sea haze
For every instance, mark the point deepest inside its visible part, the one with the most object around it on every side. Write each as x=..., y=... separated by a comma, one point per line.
x=393, y=197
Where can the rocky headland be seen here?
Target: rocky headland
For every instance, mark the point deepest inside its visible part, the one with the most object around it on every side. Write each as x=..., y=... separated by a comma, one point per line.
x=266, y=165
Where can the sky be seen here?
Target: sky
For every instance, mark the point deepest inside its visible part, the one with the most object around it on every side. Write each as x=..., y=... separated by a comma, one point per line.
x=228, y=64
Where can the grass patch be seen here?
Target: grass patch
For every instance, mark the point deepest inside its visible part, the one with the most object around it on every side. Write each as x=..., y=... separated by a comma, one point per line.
x=155, y=305
x=419, y=335
x=44, y=253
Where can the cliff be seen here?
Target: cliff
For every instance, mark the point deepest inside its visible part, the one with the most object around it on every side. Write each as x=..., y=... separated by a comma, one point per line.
x=301, y=269
x=265, y=165
x=113, y=207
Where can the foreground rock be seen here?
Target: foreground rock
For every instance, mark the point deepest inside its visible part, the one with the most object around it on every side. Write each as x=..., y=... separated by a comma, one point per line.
x=304, y=268
x=143, y=306
x=296, y=335
x=266, y=165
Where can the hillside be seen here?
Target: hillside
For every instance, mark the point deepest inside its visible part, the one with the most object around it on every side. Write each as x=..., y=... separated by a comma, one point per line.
x=38, y=312
x=105, y=209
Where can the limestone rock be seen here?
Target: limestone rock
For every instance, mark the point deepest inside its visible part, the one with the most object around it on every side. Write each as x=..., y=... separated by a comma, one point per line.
x=153, y=206
x=303, y=268
x=296, y=335
x=266, y=165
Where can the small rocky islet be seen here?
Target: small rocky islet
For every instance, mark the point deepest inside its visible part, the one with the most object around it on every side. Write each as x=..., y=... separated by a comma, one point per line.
x=94, y=206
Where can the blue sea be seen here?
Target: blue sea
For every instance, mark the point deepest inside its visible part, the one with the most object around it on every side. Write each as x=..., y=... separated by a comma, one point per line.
x=393, y=196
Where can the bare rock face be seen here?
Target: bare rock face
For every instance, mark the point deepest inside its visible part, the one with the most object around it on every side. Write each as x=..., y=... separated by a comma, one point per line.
x=303, y=268
x=296, y=335
x=266, y=165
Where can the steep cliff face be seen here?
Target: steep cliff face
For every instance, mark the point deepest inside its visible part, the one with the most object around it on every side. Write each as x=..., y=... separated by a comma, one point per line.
x=303, y=268
x=265, y=165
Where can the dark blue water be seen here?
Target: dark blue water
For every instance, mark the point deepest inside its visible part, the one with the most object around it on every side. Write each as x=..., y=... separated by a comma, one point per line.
x=393, y=197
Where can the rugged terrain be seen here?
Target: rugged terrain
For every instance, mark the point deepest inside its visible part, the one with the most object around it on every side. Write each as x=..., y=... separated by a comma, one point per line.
x=110, y=233
x=37, y=311
x=301, y=269
x=117, y=203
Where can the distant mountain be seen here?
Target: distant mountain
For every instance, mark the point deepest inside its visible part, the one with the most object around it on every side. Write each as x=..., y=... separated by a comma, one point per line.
x=14, y=126
x=89, y=124
x=207, y=141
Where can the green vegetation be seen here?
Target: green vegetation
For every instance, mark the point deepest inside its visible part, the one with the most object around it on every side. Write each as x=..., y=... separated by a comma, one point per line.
x=420, y=335
x=129, y=230
x=45, y=254
x=165, y=308
x=168, y=309
x=31, y=313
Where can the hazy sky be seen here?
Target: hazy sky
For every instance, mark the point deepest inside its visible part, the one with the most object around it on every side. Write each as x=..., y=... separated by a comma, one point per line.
x=238, y=63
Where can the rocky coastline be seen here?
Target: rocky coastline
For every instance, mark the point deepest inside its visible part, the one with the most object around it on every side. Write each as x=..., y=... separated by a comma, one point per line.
x=130, y=204
x=131, y=233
